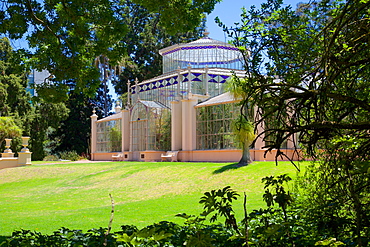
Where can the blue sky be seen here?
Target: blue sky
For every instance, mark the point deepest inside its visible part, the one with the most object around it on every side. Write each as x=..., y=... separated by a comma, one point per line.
x=229, y=12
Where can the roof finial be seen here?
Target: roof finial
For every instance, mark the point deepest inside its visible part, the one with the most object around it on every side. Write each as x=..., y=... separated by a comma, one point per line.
x=206, y=33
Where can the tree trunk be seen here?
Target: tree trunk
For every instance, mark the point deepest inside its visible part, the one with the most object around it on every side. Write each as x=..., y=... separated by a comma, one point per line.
x=246, y=156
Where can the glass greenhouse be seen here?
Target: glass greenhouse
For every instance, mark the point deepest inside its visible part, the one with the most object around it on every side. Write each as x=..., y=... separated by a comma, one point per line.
x=186, y=109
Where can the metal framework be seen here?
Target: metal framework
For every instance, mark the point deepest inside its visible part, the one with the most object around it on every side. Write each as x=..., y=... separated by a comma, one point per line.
x=109, y=136
x=150, y=126
x=205, y=52
x=213, y=126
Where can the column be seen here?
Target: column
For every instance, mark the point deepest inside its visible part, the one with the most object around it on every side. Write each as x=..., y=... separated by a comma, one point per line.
x=190, y=77
x=94, y=118
x=125, y=130
x=189, y=124
x=207, y=81
x=176, y=125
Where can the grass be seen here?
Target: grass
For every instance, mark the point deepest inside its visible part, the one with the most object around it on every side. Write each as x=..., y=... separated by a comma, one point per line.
x=76, y=195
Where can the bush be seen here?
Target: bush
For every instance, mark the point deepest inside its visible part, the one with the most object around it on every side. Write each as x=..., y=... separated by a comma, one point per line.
x=51, y=158
x=69, y=155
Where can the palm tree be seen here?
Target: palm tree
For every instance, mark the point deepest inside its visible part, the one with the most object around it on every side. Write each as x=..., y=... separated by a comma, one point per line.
x=243, y=131
x=242, y=128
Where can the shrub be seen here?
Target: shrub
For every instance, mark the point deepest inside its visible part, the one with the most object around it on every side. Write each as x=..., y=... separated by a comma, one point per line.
x=283, y=223
x=69, y=155
x=50, y=158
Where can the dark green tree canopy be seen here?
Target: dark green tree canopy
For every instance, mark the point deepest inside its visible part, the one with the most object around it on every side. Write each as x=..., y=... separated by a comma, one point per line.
x=143, y=41
x=309, y=74
x=14, y=100
x=308, y=70
x=67, y=36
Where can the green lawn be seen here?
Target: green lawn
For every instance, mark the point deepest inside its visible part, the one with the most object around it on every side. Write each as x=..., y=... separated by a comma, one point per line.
x=76, y=195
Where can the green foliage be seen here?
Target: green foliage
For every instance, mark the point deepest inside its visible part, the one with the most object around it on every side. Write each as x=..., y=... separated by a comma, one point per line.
x=52, y=92
x=337, y=194
x=303, y=87
x=143, y=40
x=308, y=74
x=191, y=12
x=267, y=227
x=8, y=129
x=14, y=100
x=69, y=155
x=243, y=131
x=279, y=195
x=50, y=157
x=219, y=203
x=62, y=237
x=47, y=118
x=66, y=37
x=73, y=132
x=34, y=119
x=115, y=137
x=329, y=242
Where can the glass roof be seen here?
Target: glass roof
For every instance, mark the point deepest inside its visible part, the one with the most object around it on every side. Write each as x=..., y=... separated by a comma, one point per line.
x=224, y=98
x=201, y=53
x=152, y=104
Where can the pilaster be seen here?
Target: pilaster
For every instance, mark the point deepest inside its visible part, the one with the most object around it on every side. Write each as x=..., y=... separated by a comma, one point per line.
x=189, y=123
x=176, y=125
x=125, y=130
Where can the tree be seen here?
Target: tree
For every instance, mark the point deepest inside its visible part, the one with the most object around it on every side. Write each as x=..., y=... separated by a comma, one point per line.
x=14, y=100
x=244, y=134
x=8, y=129
x=242, y=127
x=34, y=119
x=67, y=36
x=143, y=41
x=73, y=133
x=308, y=72
x=47, y=119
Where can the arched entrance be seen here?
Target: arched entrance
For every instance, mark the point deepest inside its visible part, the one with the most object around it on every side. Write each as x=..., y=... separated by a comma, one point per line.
x=150, y=127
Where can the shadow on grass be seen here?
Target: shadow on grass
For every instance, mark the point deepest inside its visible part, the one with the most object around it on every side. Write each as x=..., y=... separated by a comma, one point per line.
x=232, y=166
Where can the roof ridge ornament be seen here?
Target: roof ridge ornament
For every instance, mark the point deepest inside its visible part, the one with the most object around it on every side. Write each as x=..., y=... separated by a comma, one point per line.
x=206, y=34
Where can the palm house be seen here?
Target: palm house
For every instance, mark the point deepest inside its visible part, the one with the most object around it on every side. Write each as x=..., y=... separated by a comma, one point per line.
x=183, y=114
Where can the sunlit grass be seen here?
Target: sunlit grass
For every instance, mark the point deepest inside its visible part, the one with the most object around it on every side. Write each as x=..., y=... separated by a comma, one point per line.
x=76, y=195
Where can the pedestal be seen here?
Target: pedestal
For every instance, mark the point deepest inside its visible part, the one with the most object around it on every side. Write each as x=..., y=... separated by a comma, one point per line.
x=7, y=155
x=24, y=158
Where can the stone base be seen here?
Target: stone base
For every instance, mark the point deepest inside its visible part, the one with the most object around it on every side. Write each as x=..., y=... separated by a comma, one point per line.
x=24, y=158
x=7, y=155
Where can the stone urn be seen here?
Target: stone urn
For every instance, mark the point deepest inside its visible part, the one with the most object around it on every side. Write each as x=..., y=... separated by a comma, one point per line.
x=25, y=140
x=7, y=146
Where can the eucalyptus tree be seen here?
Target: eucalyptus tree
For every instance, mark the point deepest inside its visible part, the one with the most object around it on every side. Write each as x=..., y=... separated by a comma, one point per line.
x=308, y=72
